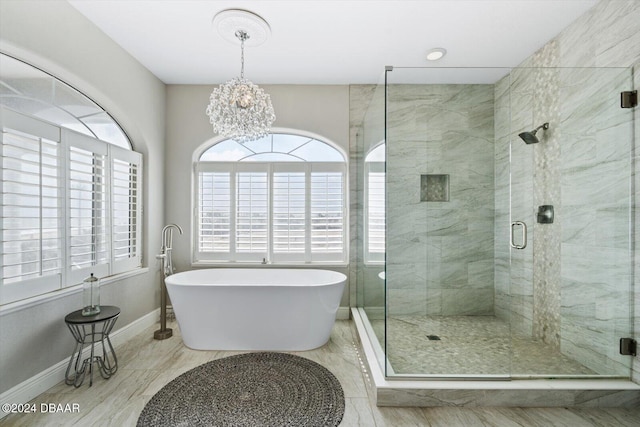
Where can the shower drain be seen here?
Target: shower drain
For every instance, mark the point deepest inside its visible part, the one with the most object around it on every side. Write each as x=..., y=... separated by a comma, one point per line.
x=433, y=337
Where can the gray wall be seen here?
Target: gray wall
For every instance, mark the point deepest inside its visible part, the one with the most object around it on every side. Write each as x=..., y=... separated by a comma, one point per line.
x=323, y=110
x=53, y=36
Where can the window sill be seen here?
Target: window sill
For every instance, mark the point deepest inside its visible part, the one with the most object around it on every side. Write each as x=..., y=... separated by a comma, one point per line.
x=64, y=292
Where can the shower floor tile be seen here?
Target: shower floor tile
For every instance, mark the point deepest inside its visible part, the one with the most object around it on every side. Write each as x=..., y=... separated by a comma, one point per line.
x=468, y=345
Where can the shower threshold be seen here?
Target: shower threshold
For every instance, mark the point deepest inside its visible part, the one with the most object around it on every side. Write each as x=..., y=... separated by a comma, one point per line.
x=489, y=391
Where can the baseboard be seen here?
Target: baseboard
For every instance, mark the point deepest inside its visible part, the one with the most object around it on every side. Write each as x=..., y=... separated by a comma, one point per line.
x=129, y=331
x=39, y=383
x=375, y=313
x=343, y=313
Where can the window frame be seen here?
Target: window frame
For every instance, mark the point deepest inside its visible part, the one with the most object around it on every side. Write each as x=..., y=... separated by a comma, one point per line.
x=67, y=276
x=199, y=258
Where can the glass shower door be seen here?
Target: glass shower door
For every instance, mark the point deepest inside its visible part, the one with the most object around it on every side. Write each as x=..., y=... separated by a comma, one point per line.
x=571, y=285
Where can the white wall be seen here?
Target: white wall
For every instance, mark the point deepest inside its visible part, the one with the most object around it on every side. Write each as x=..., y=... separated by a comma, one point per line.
x=323, y=110
x=52, y=35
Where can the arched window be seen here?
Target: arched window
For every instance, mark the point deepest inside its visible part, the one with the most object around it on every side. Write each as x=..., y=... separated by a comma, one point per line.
x=33, y=92
x=374, y=211
x=71, y=194
x=279, y=199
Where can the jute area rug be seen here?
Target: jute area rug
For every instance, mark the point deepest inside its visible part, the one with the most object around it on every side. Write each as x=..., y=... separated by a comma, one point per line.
x=252, y=389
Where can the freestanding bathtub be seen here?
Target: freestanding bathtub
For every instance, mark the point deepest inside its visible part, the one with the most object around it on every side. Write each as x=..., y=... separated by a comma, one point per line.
x=255, y=309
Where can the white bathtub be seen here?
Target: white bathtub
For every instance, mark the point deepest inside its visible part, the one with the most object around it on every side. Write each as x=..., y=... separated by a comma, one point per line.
x=255, y=309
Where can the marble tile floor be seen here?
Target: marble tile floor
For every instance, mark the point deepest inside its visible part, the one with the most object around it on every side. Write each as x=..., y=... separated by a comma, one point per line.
x=146, y=365
x=469, y=345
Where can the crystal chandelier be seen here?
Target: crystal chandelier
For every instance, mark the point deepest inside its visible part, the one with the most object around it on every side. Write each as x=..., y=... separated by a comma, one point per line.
x=239, y=109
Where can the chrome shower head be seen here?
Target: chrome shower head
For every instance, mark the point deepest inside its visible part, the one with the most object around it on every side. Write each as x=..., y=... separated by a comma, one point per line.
x=530, y=137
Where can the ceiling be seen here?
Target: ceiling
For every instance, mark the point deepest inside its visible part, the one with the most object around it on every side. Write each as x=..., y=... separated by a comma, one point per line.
x=329, y=41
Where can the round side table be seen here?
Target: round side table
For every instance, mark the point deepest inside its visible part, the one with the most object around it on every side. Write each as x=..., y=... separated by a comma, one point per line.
x=91, y=330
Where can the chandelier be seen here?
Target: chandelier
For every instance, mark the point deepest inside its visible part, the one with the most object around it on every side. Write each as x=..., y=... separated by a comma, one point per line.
x=239, y=109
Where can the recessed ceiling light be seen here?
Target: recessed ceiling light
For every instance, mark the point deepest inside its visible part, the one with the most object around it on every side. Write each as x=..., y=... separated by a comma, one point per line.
x=436, y=53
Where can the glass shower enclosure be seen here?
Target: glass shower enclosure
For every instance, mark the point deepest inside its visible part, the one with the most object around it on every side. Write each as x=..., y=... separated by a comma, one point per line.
x=495, y=235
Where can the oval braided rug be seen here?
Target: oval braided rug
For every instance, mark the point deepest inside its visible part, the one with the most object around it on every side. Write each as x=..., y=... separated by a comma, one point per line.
x=252, y=389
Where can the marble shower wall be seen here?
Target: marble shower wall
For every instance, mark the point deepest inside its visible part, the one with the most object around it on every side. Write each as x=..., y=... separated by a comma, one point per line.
x=440, y=253
x=595, y=262
x=574, y=292
x=596, y=169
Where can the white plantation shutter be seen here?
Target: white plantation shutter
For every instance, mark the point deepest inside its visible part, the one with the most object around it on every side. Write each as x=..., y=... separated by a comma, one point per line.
x=327, y=215
x=214, y=212
x=375, y=213
x=126, y=215
x=88, y=228
x=289, y=214
x=252, y=215
x=71, y=206
x=32, y=245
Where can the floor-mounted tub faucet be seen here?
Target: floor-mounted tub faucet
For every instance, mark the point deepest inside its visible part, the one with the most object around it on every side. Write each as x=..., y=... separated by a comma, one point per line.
x=166, y=269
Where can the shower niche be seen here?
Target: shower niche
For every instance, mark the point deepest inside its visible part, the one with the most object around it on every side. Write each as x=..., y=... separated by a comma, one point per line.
x=434, y=188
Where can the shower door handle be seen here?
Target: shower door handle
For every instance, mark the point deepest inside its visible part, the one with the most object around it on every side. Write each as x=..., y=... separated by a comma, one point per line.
x=524, y=234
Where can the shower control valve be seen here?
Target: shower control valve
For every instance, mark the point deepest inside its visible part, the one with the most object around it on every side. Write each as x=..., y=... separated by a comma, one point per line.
x=545, y=214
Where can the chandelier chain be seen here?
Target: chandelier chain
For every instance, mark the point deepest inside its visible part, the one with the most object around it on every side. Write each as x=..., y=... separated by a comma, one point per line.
x=242, y=36
x=242, y=58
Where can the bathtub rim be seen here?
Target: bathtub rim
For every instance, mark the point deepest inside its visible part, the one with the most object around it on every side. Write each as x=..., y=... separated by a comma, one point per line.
x=171, y=280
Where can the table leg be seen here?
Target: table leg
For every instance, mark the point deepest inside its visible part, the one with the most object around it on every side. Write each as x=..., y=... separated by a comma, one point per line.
x=91, y=359
x=107, y=362
x=78, y=366
x=110, y=366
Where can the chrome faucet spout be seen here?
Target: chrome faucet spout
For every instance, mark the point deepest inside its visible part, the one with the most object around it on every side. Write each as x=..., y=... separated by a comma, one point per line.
x=166, y=248
x=167, y=235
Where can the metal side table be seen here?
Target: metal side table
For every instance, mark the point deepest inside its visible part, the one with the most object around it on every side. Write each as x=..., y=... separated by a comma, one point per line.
x=91, y=330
